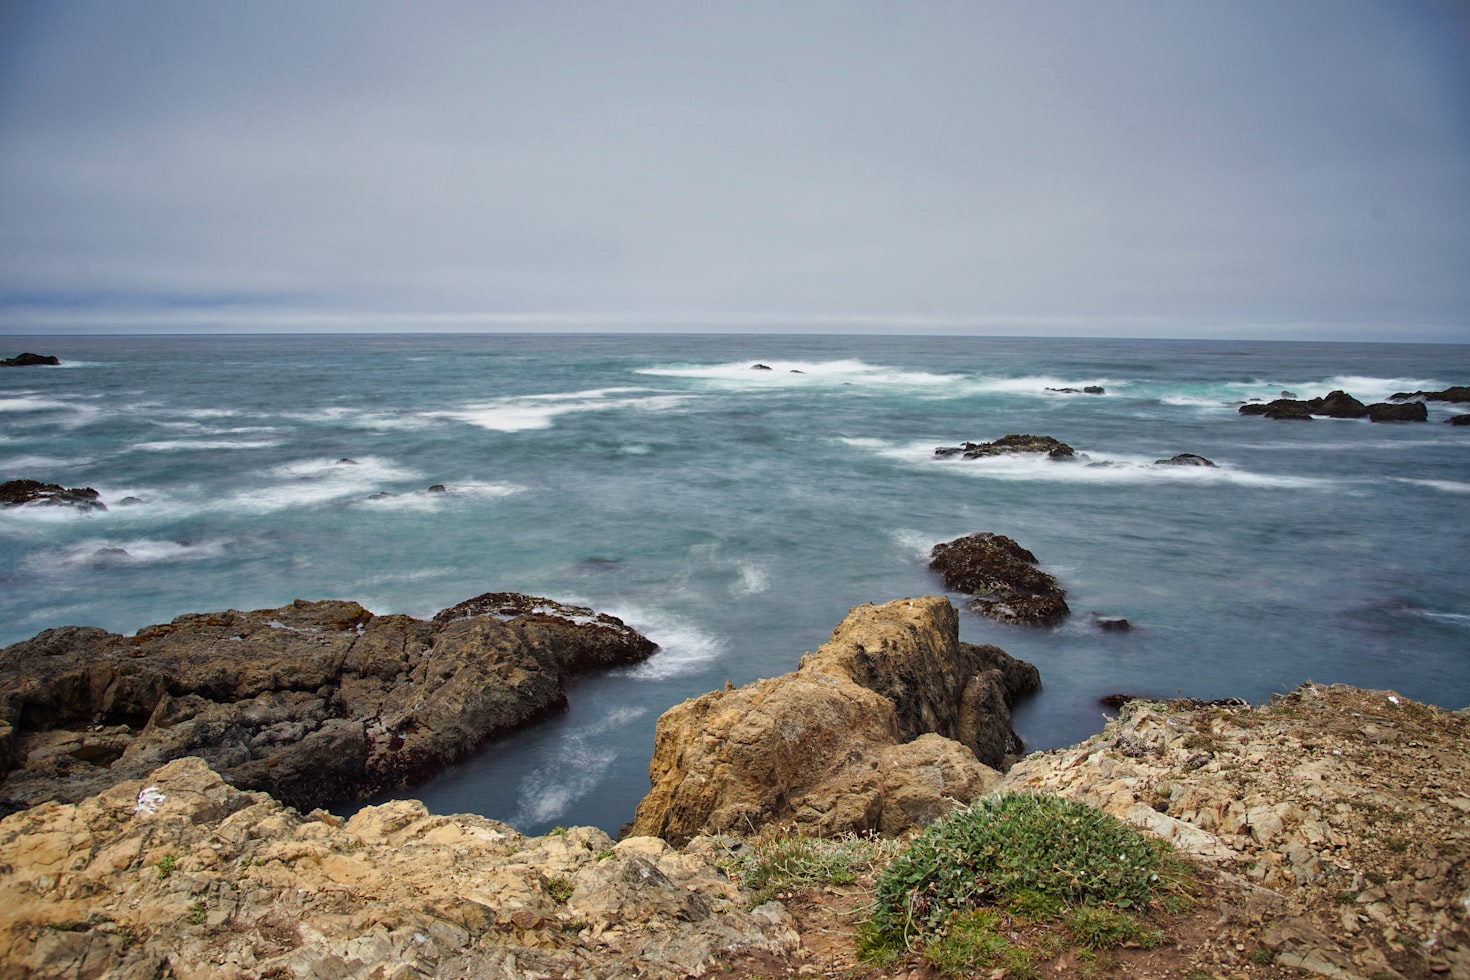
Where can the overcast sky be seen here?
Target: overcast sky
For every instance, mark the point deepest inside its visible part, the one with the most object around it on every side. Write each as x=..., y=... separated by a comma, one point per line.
x=1292, y=168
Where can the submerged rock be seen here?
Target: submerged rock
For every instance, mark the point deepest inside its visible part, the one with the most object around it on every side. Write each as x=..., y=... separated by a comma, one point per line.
x=1014, y=443
x=1185, y=459
x=17, y=493
x=1459, y=420
x=889, y=725
x=1003, y=577
x=313, y=702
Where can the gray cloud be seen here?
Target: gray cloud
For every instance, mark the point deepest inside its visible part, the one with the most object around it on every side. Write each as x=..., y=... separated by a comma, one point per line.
x=1063, y=167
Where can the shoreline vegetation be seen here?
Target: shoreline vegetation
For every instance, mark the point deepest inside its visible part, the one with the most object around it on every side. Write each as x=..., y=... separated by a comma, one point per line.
x=1327, y=831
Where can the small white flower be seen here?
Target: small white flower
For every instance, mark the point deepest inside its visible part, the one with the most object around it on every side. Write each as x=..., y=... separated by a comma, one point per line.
x=1392, y=699
x=148, y=799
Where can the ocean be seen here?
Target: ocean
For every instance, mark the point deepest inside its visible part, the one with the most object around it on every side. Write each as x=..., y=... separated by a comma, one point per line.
x=734, y=514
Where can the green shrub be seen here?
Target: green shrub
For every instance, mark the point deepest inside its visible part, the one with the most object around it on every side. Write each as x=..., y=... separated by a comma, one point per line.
x=1040, y=866
x=166, y=865
x=782, y=862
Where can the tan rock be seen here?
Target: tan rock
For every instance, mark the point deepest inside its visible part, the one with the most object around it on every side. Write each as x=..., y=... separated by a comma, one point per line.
x=868, y=734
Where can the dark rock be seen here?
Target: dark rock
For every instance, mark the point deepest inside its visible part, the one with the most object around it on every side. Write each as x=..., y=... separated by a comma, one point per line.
x=1184, y=459
x=1112, y=624
x=760, y=367
x=31, y=360
x=1066, y=391
x=1338, y=405
x=1454, y=393
x=1002, y=576
x=1281, y=408
x=1009, y=444
x=16, y=493
x=438, y=488
x=1400, y=412
x=1116, y=701
x=1094, y=390
x=130, y=501
x=313, y=702
x=346, y=461
x=1459, y=420
x=1288, y=394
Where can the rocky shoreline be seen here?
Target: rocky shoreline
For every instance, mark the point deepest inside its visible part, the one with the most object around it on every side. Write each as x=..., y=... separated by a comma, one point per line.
x=1333, y=824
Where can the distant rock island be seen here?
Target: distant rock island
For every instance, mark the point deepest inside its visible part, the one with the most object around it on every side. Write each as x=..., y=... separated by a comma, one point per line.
x=31, y=360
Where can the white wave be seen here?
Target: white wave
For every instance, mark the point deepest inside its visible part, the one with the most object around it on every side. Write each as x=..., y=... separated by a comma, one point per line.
x=135, y=551
x=1460, y=619
x=36, y=464
x=784, y=374
x=351, y=418
x=1448, y=486
x=754, y=579
x=524, y=413
x=427, y=500
x=30, y=403
x=1089, y=468
x=189, y=445
x=580, y=763
x=915, y=543
x=684, y=648
x=317, y=481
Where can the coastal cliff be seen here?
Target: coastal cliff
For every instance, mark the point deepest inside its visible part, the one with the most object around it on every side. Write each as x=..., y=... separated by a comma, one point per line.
x=1330, y=830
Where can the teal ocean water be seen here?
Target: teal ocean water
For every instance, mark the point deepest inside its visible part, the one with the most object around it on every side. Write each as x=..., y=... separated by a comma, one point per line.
x=734, y=515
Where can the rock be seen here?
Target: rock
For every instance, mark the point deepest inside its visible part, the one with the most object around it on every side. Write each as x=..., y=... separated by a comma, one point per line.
x=1454, y=393
x=1401, y=412
x=207, y=880
x=1338, y=405
x=16, y=493
x=1288, y=394
x=313, y=702
x=31, y=360
x=1184, y=459
x=1459, y=420
x=438, y=488
x=888, y=725
x=760, y=367
x=1094, y=390
x=1009, y=444
x=1282, y=408
x=1112, y=624
x=1002, y=576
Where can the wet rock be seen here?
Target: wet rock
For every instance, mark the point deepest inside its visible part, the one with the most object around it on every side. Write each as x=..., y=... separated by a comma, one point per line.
x=1454, y=393
x=1014, y=443
x=1399, y=412
x=887, y=726
x=1184, y=459
x=1111, y=624
x=1286, y=409
x=31, y=360
x=1459, y=420
x=18, y=493
x=1002, y=576
x=761, y=367
x=1338, y=405
x=313, y=702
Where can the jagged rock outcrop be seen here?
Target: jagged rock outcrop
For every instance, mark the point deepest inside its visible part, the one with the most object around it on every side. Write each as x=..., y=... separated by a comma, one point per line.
x=1286, y=409
x=1004, y=578
x=181, y=874
x=31, y=360
x=313, y=702
x=1338, y=405
x=883, y=728
x=1458, y=420
x=34, y=493
x=1014, y=443
x=1184, y=459
x=1344, y=812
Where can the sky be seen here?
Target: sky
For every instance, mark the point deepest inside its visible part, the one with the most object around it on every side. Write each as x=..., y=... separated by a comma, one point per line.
x=1290, y=168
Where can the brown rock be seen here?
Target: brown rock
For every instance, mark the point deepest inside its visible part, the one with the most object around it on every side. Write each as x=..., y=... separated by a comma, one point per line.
x=313, y=702
x=1003, y=577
